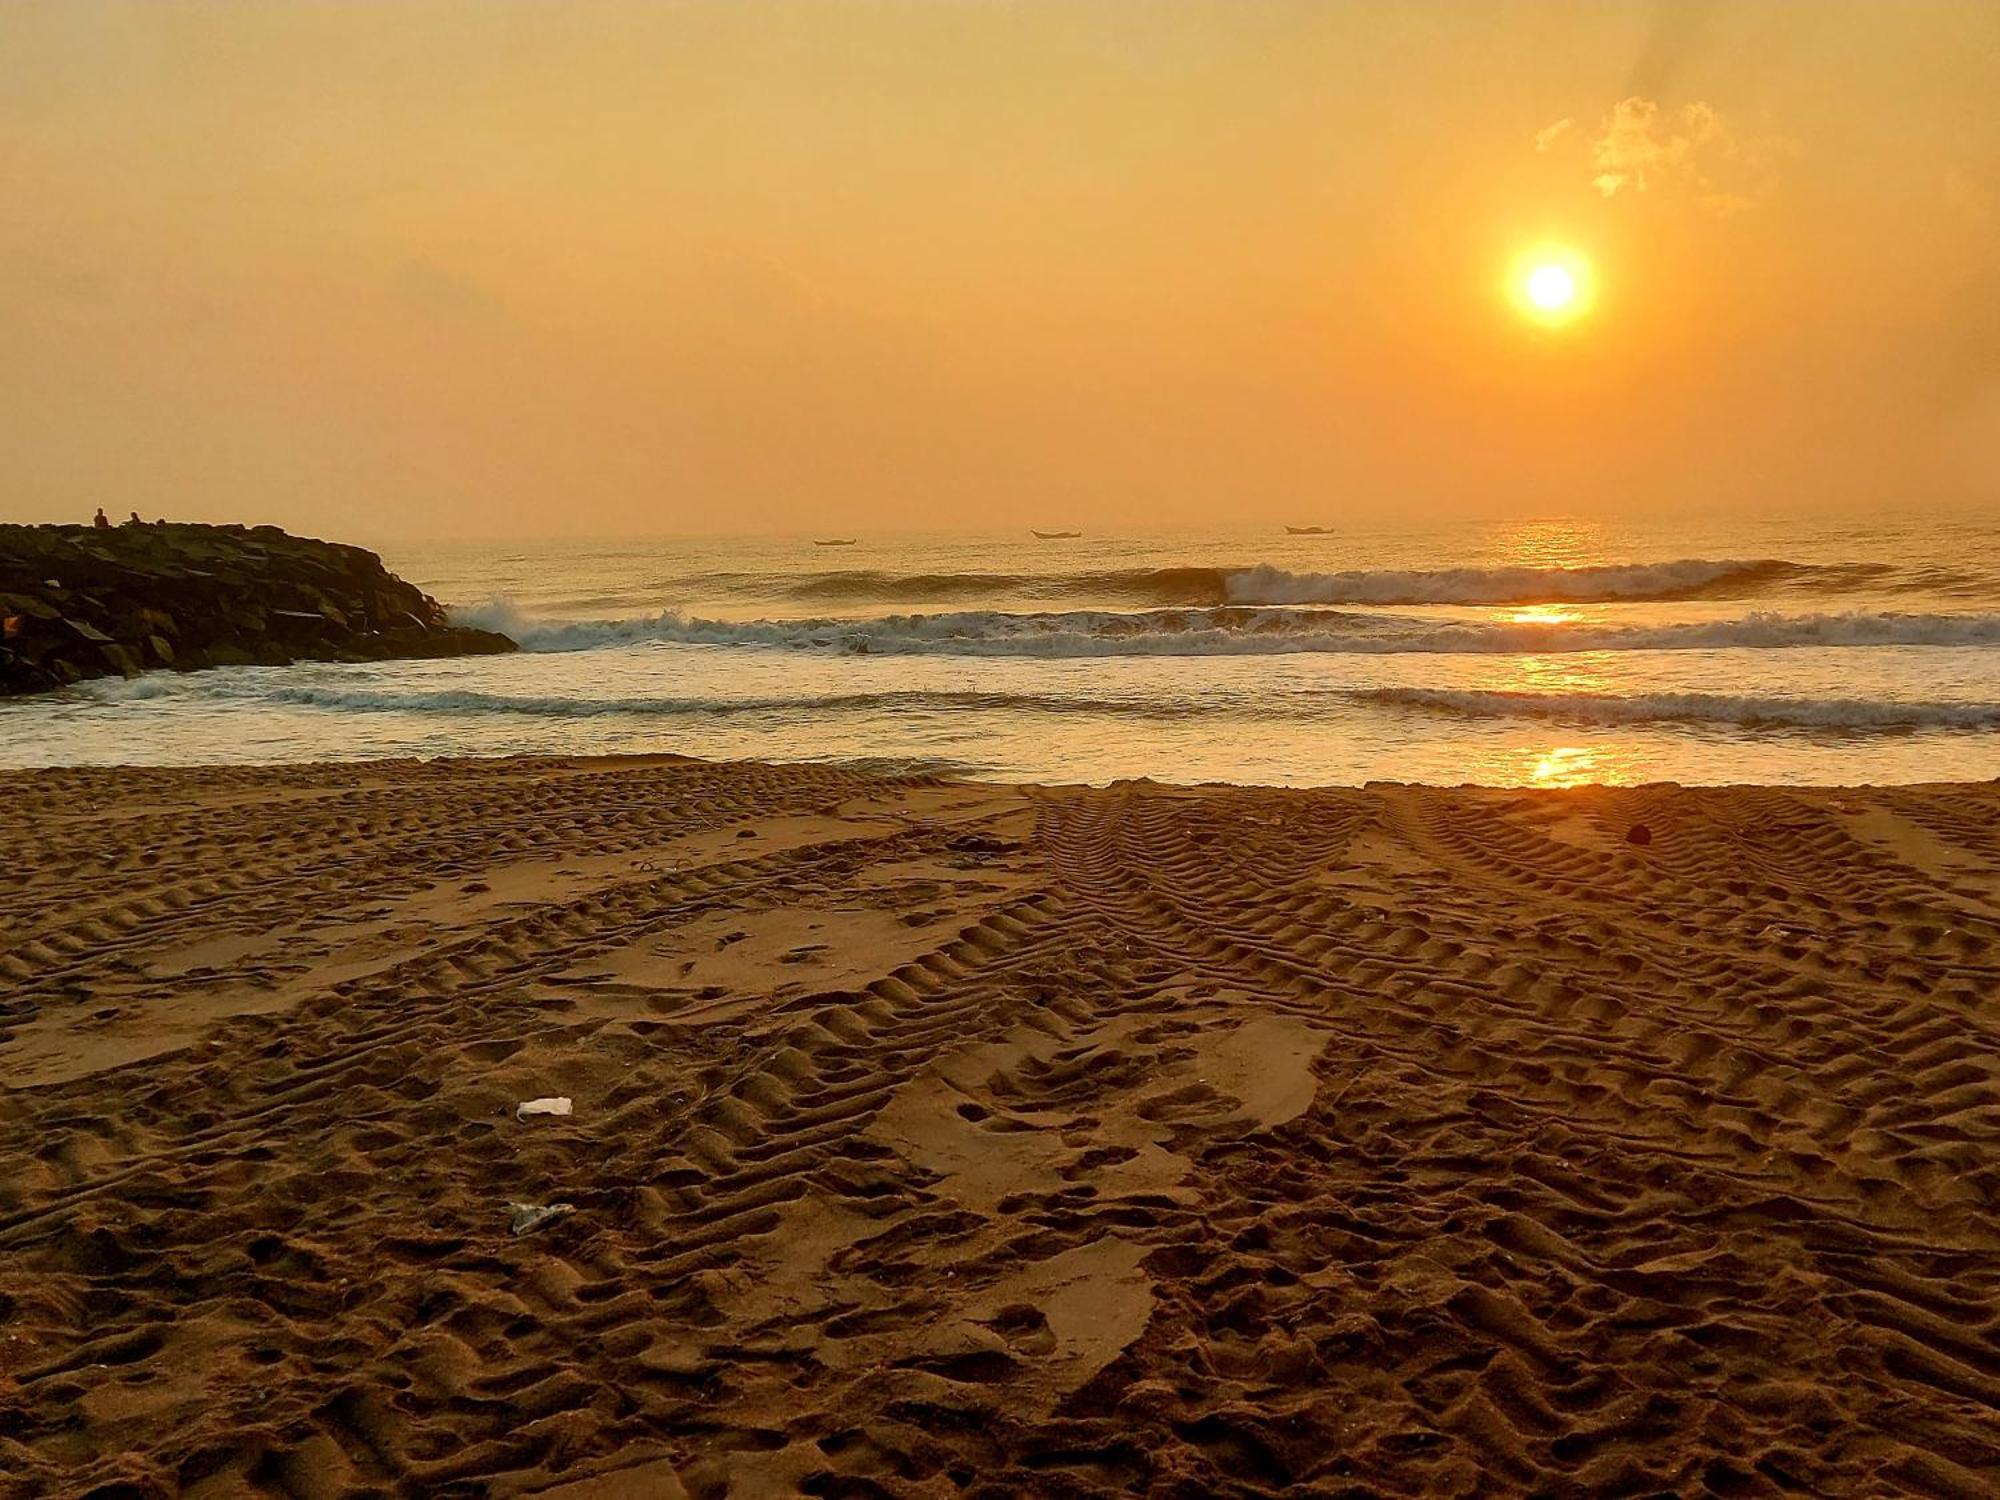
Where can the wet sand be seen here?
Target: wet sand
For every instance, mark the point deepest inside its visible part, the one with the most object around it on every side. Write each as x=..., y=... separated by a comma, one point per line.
x=937, y=1139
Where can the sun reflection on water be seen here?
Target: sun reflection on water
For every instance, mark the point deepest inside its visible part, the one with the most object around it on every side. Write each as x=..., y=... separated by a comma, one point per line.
x=1605, y=763
x=1608, y=761
x=1552, y=542
x=1543, y=614
x=1568, y=672
x=1565, y=765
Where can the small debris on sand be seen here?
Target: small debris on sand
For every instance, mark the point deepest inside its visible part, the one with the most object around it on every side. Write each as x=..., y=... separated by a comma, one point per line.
x=528, y=1217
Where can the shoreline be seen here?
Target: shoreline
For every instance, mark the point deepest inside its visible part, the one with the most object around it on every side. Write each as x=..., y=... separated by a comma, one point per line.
x=941, y=1137
x=898, y=768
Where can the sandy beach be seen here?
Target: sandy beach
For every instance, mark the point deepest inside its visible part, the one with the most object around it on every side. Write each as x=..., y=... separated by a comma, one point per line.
x=936, y=1139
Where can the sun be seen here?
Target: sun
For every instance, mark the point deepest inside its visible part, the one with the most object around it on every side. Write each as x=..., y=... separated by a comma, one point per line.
x=1551, y=284
x=1551, y=288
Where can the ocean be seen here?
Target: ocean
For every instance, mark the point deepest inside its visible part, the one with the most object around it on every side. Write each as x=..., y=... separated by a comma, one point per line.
x=1541, y=652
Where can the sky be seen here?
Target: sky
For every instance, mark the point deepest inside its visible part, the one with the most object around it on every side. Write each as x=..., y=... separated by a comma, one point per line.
x=511, y=269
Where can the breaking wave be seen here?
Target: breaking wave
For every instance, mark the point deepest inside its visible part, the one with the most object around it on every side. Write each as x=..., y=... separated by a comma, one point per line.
x=1231, y=631
x=1265, y=584
x=1690, y=708
x=1683, y=579
x=257, y=687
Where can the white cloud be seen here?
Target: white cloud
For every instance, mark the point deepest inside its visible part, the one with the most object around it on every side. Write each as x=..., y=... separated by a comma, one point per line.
x=1643, y=145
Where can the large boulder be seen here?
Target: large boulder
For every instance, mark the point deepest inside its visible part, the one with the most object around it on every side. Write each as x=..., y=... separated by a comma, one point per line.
x=82, y=601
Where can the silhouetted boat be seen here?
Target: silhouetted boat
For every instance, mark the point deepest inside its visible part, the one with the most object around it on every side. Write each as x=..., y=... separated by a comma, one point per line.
x=1308, y=530
x=1057, y=536
x=839, y=541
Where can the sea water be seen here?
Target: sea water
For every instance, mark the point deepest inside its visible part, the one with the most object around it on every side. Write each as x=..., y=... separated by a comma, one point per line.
x=1530, y=652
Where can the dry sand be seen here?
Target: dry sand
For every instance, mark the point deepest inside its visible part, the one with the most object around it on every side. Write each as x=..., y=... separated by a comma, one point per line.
x=934, y=1139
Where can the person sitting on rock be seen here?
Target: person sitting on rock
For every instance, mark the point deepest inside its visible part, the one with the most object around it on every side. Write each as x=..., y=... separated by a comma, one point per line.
x=101, y=521
x=135, y=521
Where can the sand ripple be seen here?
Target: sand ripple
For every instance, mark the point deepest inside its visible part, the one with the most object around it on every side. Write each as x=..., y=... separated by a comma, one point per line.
x=935, y=1140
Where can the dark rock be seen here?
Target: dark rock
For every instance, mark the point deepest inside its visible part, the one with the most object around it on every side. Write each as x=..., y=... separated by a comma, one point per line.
x=89, y=632
x=77, y=602
x=298, y=624
x=29, y=605
x=453, y=640
x=33, y=650
x=121, y=659
x=1638, y=833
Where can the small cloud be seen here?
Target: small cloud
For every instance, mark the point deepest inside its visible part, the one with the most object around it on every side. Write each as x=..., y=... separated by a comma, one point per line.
x=1644, y=145
x=1640, y=144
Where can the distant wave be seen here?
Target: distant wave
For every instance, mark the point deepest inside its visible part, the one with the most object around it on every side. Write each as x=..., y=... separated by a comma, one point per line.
x=1231, y=631
x=1696, y=708
x=1194, y=586
x=1683, y=578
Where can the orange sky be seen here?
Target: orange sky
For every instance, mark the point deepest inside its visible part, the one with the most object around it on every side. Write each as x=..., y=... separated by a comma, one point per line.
x=507, y=268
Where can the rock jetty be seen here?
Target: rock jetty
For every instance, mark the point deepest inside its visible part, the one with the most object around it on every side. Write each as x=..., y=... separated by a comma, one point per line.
x=86, y=601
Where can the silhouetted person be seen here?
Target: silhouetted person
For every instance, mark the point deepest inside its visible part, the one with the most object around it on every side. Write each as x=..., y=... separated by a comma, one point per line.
x=101, y=521
x=135, y=521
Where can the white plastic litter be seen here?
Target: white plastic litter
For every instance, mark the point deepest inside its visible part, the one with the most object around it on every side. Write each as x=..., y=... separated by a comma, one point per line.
x=526, y=1218
x=554, y=1106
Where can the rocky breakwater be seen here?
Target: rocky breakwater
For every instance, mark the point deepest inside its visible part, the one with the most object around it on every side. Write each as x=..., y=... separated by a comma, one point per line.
x=83, y=601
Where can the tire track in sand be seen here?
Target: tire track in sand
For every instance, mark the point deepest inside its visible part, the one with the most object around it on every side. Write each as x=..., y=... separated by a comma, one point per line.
x=945, y=1140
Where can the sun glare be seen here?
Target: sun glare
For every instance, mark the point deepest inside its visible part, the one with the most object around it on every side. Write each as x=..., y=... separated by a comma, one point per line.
x=1551, y=287
x=1551, y=284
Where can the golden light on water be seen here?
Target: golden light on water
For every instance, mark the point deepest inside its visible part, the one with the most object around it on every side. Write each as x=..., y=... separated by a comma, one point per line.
x=1603, y=759
x=1552, y=284
x=1564, y=765
x=1542, y=614
x=1552, y=542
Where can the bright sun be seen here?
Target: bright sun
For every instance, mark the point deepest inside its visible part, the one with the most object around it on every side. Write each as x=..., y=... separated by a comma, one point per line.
x=1551, y=284
x=1551, y=287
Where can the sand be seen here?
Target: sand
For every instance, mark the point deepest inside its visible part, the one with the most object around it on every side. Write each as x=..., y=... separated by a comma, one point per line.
x=935, y=1139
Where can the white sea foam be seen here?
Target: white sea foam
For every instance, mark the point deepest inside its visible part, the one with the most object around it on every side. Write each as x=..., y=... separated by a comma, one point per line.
x=278, y=688
x=1230, y=632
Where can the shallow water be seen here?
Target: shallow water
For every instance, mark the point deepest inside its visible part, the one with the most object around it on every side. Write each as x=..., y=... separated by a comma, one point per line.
x=1542, y=652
